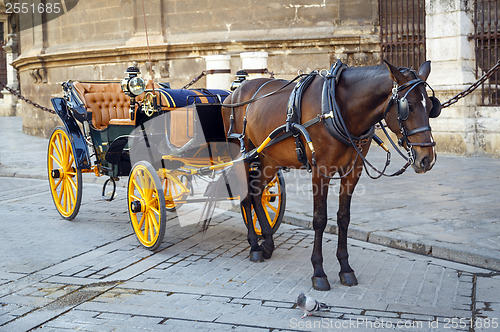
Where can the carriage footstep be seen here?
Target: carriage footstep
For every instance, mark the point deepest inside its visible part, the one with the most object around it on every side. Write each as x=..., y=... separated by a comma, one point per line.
x=348, y=278
x=320, y=283
x=256, y=256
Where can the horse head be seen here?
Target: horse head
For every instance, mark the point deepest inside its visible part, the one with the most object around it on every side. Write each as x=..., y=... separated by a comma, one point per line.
x=408, y=114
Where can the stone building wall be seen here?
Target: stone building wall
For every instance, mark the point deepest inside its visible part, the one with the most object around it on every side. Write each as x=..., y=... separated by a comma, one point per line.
x=98, y=39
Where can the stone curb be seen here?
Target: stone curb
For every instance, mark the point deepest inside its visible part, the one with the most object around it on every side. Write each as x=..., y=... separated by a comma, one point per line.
x=456, y=253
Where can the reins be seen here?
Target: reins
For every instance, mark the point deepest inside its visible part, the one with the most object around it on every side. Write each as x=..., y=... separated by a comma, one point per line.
x=343, y=134
x=254, y=99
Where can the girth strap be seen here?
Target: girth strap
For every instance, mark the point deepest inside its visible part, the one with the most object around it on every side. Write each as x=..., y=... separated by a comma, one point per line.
x=294, y=116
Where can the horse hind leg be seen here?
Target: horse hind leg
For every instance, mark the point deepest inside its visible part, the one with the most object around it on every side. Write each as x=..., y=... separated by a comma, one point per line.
x=257, y=184
x=267, y=246
x=252, y=237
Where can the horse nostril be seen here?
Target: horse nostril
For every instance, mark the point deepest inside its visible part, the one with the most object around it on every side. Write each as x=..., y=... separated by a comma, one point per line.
x=424, y=163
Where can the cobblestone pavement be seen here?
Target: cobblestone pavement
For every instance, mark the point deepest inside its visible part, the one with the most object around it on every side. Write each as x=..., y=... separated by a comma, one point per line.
x=91, y=273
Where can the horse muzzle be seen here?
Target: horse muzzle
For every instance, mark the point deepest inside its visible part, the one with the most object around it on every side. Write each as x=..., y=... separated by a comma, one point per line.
x=424, y=161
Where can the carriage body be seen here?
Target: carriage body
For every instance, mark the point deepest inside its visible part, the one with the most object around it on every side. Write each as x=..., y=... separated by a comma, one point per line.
x=167, y=136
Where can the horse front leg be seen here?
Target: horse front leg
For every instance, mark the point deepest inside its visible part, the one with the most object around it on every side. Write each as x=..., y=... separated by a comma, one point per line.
x=347, y=185
x=320, y=194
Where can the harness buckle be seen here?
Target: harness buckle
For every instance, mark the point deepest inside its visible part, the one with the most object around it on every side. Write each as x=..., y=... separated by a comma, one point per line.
x=395, y=91
x=324, y=73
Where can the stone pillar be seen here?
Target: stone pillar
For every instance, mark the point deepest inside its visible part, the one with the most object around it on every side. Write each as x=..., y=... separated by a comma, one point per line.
x=448, y=26
x=254, y=63
x=218, y=69
x=8, y=108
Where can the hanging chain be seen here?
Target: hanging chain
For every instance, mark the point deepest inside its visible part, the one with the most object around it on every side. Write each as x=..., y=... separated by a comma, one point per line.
x=473, y=87
x=449, y=102
x=20, y=96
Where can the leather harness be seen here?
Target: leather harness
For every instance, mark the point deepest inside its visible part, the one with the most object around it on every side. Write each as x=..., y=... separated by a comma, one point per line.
x=333, y=120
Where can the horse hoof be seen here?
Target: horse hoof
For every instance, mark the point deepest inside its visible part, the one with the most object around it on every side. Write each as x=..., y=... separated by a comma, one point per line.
x=321, y=283
x=256, y=256
x=348, y=279
x=266, y=252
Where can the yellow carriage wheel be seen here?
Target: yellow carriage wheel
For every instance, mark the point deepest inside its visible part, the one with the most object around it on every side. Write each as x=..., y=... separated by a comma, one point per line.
x=273, y=202
x=175, y=189
x=146, y=205
x=65, y=179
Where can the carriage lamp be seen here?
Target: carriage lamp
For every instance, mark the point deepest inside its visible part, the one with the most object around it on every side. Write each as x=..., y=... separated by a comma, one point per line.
x=133, y=85
x=240, y=77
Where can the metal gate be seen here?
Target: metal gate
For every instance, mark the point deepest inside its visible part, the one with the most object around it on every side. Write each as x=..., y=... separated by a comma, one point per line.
x=487, y=40
x=402, y=32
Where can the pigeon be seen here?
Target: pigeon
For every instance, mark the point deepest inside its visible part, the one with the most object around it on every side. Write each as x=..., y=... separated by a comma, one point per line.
x=308, y=305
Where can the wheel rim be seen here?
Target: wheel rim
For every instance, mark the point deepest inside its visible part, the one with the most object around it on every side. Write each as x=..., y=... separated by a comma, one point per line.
x=174, y=190
x=147, y=220
x=271, y=202
x=63, y=179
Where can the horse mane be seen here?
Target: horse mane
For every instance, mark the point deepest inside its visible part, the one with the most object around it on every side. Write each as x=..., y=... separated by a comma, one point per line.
x=356, y=74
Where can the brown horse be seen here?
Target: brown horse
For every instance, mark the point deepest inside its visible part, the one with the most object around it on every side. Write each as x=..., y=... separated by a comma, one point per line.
x=365, y=96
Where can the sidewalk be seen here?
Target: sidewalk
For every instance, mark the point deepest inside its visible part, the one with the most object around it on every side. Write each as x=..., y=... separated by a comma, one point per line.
x=452, y=212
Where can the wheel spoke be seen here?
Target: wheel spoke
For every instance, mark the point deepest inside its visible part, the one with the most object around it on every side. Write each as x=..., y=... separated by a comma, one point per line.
x=275, y=210
x=141, y=222
x=58, y=183
x=61, y=193
x=151, y=228
x=70, y=180
x=68, y=196
x=56, y=149
x=72, y=193
x=70, y=159
x=135, y=197
x=155, y=210
x=136, y=186
x=57, y=161
x=269, y=219
x=154, y=221
x=146, y=226
x=65, y=196
x=61, y=148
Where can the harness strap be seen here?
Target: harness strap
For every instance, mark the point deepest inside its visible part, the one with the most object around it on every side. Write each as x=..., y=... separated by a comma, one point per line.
x=294, y=116
x=331, y=111
x=418, y=130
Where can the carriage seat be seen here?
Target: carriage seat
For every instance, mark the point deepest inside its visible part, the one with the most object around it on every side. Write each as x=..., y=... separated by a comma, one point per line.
x=106, y=101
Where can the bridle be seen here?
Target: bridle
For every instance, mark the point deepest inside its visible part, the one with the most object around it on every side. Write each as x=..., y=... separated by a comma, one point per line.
x=403, y=110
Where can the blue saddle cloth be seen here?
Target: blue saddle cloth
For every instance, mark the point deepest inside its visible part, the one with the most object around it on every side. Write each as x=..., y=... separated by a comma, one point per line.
x=182, y=97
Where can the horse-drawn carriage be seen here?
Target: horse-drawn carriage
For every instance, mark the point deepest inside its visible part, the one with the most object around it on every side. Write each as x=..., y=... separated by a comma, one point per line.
x=260, y=128
x=157, y=136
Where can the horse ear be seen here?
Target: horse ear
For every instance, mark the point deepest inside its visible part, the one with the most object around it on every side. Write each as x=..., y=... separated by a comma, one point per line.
x=396, y=75
x=424, y=70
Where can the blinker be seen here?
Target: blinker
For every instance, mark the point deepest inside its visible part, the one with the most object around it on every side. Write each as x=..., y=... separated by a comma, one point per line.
x=436, y=107
x=403, y=109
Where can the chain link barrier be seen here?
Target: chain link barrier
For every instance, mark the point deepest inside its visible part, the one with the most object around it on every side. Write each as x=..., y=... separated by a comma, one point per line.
x=473, y=87
x=447, y=103
x=23, y=98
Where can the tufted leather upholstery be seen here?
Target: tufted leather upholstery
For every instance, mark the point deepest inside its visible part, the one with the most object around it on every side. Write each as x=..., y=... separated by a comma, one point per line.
x=106, y=101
